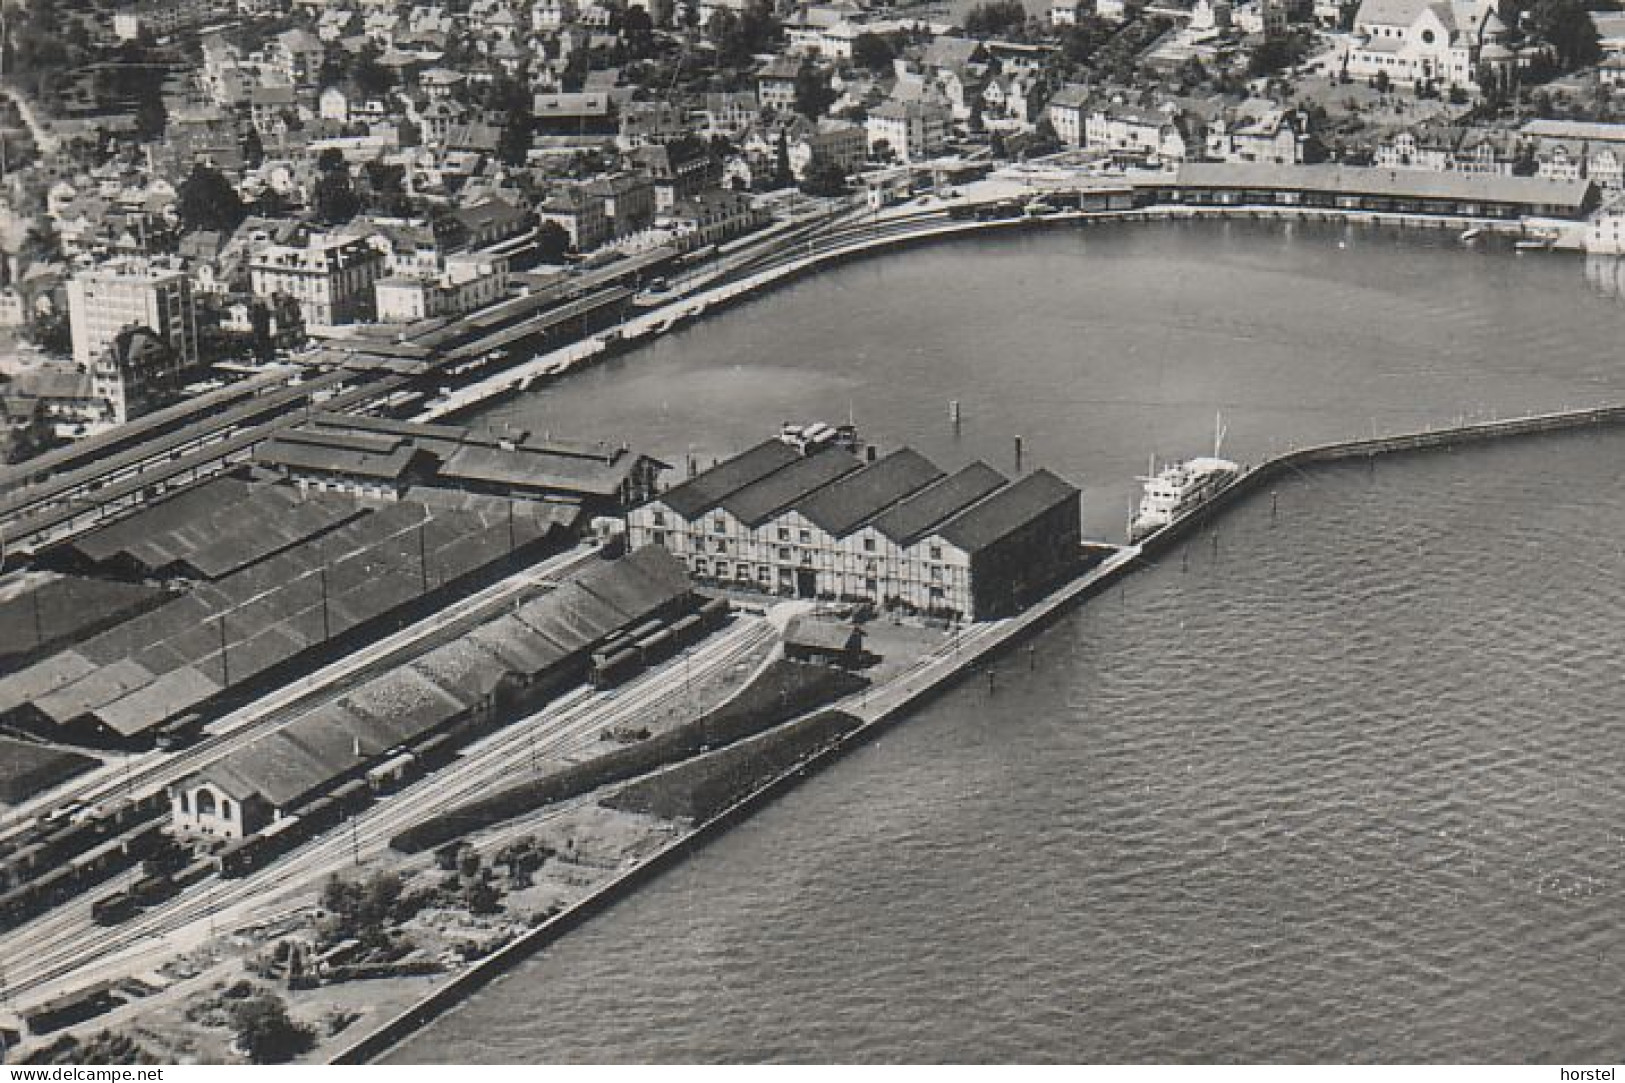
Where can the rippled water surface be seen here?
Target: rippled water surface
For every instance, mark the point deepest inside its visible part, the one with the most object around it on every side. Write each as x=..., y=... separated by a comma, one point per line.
x=1341, y=781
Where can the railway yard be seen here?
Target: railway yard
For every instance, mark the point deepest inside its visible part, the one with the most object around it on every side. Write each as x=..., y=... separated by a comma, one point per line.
x=178, y=610
x=270, y=636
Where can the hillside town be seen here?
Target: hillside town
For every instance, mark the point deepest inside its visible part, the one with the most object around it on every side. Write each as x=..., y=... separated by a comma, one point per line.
x=193, y=189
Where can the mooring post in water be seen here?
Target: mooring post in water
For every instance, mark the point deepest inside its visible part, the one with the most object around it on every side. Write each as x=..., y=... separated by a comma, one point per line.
x=1032, y=656
x=1275, y=499
x=953, y=414
x=1018, y=454
x=992, y=679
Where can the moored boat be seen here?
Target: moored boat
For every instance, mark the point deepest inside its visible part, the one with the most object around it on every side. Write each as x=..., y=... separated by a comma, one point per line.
x=1178, y=489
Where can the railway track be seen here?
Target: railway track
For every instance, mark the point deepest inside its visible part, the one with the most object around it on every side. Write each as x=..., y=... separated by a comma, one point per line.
x=65, y=947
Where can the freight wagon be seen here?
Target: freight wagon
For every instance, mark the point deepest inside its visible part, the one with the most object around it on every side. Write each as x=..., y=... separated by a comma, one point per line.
x=617, y=668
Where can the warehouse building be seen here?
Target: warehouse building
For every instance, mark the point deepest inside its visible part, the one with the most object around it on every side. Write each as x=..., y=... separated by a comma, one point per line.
x=381, y=459
x=820, y=522
x=460, y=689
x=268, y=605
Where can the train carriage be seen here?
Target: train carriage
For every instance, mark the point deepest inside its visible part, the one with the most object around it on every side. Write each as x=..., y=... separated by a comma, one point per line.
x=688, y=630
x=112, y=909
x=656, y=648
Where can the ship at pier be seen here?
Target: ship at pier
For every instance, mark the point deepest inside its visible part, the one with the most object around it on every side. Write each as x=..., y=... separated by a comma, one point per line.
x=1180, y=488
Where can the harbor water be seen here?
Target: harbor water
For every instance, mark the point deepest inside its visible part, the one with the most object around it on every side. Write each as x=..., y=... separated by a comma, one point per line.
x=1341, y=779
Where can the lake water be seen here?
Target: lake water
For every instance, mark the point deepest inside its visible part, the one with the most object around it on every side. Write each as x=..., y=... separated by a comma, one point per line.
x=1341, y=782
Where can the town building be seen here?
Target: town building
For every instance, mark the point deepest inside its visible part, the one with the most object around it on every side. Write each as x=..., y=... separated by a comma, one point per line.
x=821, y=522
x=467, y=283
x=580, y=214
x=161, y=18
x=330, y=277
x=913, y=130
x=713, y=217
x=1572, y=149
x=107, y=304
x=776, y=83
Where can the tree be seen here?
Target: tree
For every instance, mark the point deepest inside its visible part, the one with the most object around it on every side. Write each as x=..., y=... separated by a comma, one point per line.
x=1272, y=55
x=151, y=118
x=518, y=133
x=253, y=148
x=552, y=242
x=259, y=318
x=207, y=200
x=371, y=77
x=739, y=37
x=814, y=94
x=782, y=175
x=334, y=196
x=266, y=1032
x=823, y=177
x=873, y=52
x=995, y=18
x=1566, y=26
x=637, y=31
x=385, y=189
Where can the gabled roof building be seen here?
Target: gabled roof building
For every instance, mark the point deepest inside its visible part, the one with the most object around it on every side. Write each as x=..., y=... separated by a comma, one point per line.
x=818, y=522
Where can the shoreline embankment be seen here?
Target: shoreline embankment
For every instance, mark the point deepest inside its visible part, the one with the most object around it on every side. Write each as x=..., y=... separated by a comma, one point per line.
x=937, y=674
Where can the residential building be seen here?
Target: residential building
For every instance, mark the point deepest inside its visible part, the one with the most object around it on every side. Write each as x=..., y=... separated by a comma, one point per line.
x=469, y=282
x=1068, y=110
x=913, y=131
x=714, y=217
x=628, y=199
x=1566, y=149
x=730, y=113
x=579, y=214
x=160, y=18
x=1259, y=132
x=776, y=83
x=330, y=277
x=107, y=304
x=1134, y=132
x=644, y=123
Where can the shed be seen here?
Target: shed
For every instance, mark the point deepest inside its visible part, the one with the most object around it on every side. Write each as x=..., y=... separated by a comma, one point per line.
x=819, y=639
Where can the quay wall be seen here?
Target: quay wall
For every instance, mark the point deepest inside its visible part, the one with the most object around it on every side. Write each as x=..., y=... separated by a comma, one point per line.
x=919, y=228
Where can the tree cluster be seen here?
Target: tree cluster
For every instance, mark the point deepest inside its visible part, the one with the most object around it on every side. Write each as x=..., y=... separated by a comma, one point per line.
x=266, y=1032
x=739, y=37
x=334, y=196
x=1566, y=26
x=995, y=18
x=814, y=94
x=206, y=200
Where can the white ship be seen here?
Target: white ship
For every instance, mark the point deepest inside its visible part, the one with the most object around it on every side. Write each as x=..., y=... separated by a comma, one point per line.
x=1181, y=487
